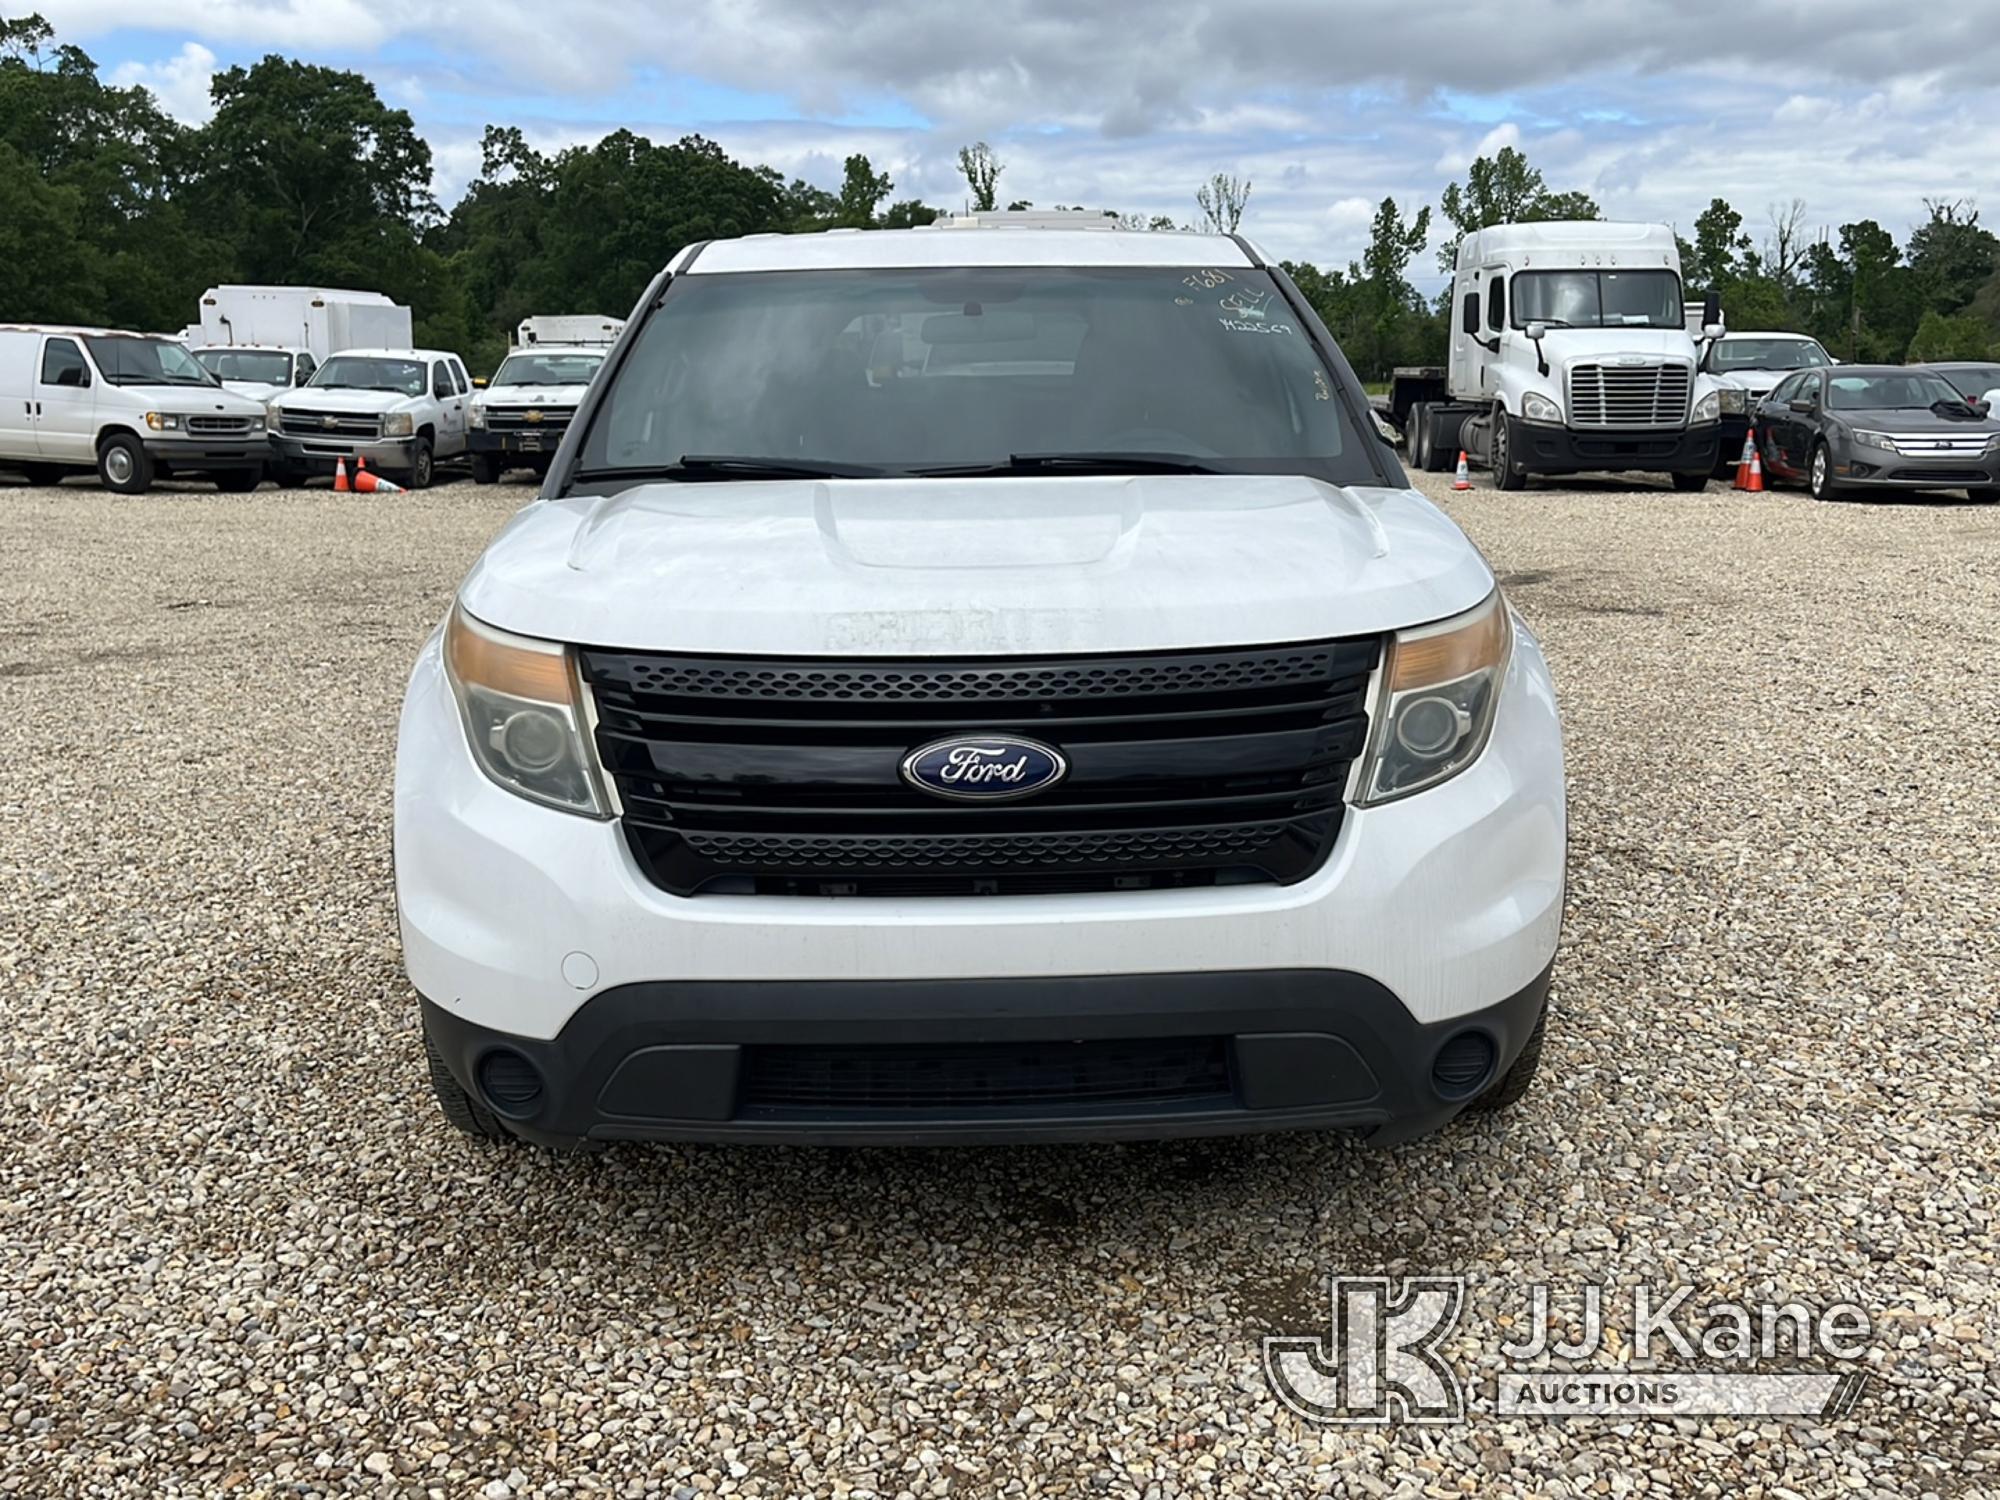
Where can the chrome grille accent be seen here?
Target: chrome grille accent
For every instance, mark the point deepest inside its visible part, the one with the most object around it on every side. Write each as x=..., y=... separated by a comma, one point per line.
x=1940, y=444
x=515, y=418
x=220, y=426
x=1629, y=397
x=331, y=424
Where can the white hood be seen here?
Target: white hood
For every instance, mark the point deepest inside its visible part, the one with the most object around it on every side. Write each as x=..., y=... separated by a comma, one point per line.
x=921, y=567
x=1589, y=345
x=197, y=398
x=328, y=398
x=257, y=390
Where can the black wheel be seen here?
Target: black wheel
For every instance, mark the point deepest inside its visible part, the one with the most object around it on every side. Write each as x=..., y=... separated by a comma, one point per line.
x=485, y=468
x=1505, y=476
x=1689, y=484
x=465, y=1112
x=1443, y=438
x=1819, y=477
x=239, y=481
x=1417, y=428
x=1984, y=497
x=419, y=477
x=43, y=475
x=289, y=476
x=1512, y=1084
x=123, y=466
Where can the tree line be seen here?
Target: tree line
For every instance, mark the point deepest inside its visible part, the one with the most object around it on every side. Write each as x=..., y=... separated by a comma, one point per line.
x=114, y=213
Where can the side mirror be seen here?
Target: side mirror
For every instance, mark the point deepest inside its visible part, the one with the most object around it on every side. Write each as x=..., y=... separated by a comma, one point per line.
x=1536, y=331
x=1711, y=311
x=1711, y=330
x=1803, y=404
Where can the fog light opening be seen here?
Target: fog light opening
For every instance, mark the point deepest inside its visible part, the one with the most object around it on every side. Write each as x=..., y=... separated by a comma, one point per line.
x=1464, y=1065
x=511, y=1085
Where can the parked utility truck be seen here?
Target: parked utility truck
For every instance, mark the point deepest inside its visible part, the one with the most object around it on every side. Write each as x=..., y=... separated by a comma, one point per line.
x=260, y=340
x=1569, y=353
x=568, y=328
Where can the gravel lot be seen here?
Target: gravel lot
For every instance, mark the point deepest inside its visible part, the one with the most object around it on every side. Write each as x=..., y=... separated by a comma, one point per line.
x=240, y=1253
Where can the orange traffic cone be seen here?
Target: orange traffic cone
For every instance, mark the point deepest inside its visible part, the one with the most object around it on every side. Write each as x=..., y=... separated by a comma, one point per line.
x=1462, y=480
x=1743, y=463
x=1755, y=484
x=340, y=475
x=360, y=468
x=373, y=484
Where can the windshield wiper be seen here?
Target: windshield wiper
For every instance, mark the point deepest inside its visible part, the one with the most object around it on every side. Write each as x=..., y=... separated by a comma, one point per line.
x=699, y=466
x=1098, y=463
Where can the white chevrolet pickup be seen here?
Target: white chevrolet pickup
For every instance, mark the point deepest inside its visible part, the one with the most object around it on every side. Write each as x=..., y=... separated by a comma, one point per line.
x=977, y=686
x=401, y=409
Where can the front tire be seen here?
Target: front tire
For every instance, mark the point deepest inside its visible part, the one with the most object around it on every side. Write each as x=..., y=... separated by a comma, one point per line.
x=1690, y=484
x=239, y=481
x=1983, y=497
x=1505, y=476
x=1820, y=475
x=421, y=466
x=466, y=1113
x=1419, y=431
x=42, y=476
x=485, y=468
x=123, y=465
x=1513, y=1084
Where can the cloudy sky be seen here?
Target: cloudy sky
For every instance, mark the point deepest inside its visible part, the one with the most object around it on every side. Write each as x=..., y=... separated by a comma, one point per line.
x=1860, y=107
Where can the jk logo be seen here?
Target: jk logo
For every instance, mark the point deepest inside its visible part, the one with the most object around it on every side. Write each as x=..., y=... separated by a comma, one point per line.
x=1379, y=1361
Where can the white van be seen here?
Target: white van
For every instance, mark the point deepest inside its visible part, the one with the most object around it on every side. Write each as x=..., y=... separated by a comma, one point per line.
x=135, y=407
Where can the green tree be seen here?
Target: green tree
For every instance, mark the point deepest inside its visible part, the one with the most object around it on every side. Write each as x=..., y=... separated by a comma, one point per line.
x=909, y=213
x=1718, y=255
x=981, y=170
x=1222, y=200
x=1951, y=256
x=1941, y=337
x=861, y=189
x=1505, y=189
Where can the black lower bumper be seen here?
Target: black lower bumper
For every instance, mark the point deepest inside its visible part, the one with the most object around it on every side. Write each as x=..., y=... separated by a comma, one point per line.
x=1898, y=473
x=926, y=1062
x=201, y=455
x=515, y=444
x=1560, y=450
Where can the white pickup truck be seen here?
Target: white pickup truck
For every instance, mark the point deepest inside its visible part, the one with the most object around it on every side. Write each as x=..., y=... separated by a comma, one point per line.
x=518, y=420
x=400, y=409
x=972, y=686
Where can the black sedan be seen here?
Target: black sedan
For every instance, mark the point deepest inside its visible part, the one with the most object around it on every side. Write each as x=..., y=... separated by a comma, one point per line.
x=1879, y=427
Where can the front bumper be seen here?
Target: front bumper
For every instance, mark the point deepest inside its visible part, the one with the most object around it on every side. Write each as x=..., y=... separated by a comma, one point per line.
x=1563, y=450
x=1874, y=469
x=318, y=455
x=183, y=455
x=518, y=919
x=513, y=441
x=931, y=1062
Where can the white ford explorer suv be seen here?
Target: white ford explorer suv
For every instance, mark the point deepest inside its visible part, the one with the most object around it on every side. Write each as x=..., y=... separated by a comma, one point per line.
x=401, y=409
x=977, y=686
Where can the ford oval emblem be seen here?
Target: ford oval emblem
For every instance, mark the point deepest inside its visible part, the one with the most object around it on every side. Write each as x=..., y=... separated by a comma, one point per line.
x=984, y=768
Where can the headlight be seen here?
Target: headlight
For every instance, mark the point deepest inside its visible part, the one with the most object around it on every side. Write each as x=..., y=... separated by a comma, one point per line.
x=1540, y=408
x=521, y=702
x=1442, y=683
x=163, y=421
x=257, y=423
x=1880, y=440
x=475, y=415
x=1733, y=400
x=398, y=424
x=274, y=415
x=1707, y=409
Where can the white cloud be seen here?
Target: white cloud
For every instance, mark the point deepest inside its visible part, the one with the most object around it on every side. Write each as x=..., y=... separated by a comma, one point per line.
x=179, y=82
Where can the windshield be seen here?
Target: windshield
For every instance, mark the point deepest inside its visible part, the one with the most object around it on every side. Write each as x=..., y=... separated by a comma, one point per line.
x=902, y=370
x=130, y=361
x=265, y=366
x=367, y=372
x=1973, y=380
x=547, y=369
x=1766, y=354
x=1598, y=299
x=1911, y=389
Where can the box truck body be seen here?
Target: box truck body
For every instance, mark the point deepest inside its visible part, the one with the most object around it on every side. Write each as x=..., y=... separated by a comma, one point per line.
x=319, y=320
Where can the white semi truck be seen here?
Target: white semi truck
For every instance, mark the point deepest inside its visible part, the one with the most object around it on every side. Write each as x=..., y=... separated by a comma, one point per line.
x=1569, y=354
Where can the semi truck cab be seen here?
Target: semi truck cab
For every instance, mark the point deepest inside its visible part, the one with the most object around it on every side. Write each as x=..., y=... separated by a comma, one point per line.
x=1569, y=353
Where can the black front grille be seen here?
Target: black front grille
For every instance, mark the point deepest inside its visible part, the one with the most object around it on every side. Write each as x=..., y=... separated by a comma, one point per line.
x=528, y=419
x=782, y=777
x=330, y=424
x=1019, y=1076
